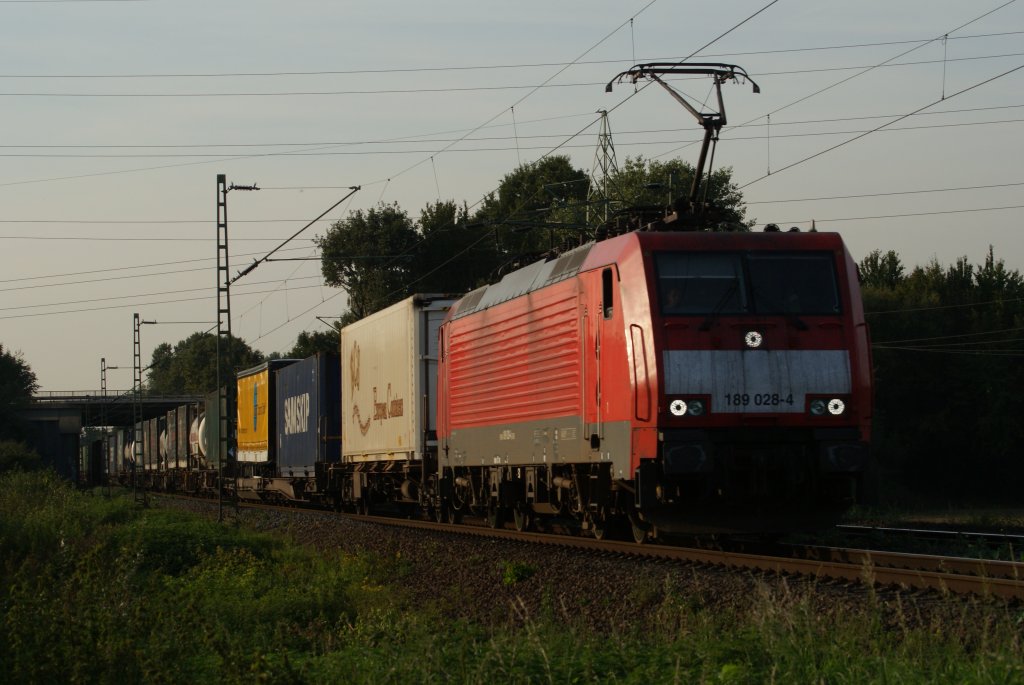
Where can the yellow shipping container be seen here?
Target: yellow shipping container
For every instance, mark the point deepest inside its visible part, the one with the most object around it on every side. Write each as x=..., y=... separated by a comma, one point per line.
x=253, y=415
x=256, y=423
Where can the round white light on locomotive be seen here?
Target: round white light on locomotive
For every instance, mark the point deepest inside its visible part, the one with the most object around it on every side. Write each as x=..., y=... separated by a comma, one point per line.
x=753, y=339
x=696, y=407
x=678, y=408
x=818, y=407
x=836, y=407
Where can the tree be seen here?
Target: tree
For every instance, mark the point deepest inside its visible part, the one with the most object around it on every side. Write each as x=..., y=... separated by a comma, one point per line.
x=538, y=207
x=369, y=254
x=17, y=385
x=879, y=270
x=455, y=255
x=659, y=184
x=947, y=374
x=190, y=367
x=309, y=343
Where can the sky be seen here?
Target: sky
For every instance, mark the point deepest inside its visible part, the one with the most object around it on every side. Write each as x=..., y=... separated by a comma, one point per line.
x=897, y=125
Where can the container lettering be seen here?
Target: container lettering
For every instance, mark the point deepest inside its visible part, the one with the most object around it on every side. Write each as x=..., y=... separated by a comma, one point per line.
x=296, y=414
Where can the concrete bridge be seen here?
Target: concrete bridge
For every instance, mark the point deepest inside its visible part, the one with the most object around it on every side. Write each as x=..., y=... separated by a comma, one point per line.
x=56, y=419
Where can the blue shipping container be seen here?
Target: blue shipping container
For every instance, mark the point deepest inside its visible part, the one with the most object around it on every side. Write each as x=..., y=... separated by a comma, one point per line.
x=308, y=400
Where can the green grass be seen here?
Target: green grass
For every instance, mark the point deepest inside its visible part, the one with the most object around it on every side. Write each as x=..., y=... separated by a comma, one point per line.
x=97, y=590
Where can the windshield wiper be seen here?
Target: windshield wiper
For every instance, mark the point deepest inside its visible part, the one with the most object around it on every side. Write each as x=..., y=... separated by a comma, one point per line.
x=720, y=305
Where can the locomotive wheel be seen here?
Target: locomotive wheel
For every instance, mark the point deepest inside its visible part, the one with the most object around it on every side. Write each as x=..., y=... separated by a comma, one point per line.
x=521, y=517
x=640, y=529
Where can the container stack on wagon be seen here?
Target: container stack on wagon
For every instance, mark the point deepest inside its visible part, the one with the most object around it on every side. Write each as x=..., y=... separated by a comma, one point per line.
x=389, y=405
x=308, y=428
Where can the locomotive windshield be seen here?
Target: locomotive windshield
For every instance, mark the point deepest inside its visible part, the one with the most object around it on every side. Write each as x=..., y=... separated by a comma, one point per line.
x=705, y=283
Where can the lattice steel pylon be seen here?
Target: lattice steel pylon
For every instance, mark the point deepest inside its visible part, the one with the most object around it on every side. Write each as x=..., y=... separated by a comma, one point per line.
x=602, y=171
x=138, y=489
x=225, y=448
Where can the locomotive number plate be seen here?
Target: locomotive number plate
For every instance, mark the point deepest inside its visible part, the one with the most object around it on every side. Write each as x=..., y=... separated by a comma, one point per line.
x=758, y=399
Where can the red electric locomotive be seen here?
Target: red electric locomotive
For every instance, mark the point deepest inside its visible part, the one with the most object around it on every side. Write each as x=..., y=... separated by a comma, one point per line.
x=680, y=380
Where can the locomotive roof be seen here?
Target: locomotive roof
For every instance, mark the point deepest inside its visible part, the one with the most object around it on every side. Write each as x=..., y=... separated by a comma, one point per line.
x=525, y=280
x=597, y=254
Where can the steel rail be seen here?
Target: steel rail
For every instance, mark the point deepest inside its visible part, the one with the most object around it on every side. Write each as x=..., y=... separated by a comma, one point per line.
x=955, y=575
x=987, y=538
x=878, y=569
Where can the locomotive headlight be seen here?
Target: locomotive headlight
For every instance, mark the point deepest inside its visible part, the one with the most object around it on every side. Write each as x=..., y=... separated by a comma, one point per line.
x=818, y=407
x=678, y=408
x=836, y=406
x=696, y=407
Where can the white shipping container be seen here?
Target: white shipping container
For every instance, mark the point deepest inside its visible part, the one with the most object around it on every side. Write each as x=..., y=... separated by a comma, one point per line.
x=389, y=381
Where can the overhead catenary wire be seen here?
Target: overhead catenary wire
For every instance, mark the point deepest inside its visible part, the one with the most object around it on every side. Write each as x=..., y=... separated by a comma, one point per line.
x=472, y=67
x=866, y=70
x=125, y=268
x=772, y=221
x=518, y=148
x=932, y=308
x=878, y=128
x=425, y=139
x=145, y=304
x=257, y=262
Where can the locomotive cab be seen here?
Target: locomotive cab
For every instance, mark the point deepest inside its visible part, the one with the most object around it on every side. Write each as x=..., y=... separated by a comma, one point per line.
x=764, y=380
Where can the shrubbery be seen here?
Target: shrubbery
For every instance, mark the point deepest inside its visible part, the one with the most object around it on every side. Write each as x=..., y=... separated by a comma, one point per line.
x=97, y=590
x=18, y=456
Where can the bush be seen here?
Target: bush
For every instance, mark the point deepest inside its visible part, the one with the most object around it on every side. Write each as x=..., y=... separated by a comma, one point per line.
x=18, y=456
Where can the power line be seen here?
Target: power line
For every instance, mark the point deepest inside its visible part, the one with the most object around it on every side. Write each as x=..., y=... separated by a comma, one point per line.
x=746, y=202
x=157, y=294
x=464, y=89
x=873, y=195
x=492, y=149
x=142, y=304
x=944, y=36
x=129, y=239
x=951, y=337
x=878, y=128
x=619, y=142
x=945, y=306
x=900, y=216
x=474, y=67
x=774, y=221
x=422, y=138
x=975, y=353
x=127, y=268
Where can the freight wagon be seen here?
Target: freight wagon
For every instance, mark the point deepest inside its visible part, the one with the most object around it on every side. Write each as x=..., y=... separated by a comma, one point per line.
x=389, y=405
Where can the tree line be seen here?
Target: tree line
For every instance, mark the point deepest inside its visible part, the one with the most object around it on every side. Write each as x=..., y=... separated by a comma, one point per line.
x=947, y=347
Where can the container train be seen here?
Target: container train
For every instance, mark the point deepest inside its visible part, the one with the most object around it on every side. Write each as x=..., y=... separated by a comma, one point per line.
x=653, y=381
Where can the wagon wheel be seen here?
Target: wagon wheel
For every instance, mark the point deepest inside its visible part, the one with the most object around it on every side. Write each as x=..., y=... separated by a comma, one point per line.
x=599, y=523
x=521, y=517
x=453, y=515
x=495, y=516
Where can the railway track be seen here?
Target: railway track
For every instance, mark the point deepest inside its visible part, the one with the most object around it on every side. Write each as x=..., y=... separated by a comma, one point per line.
x=876, y=568
x=965, y=538
x=956, y=575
